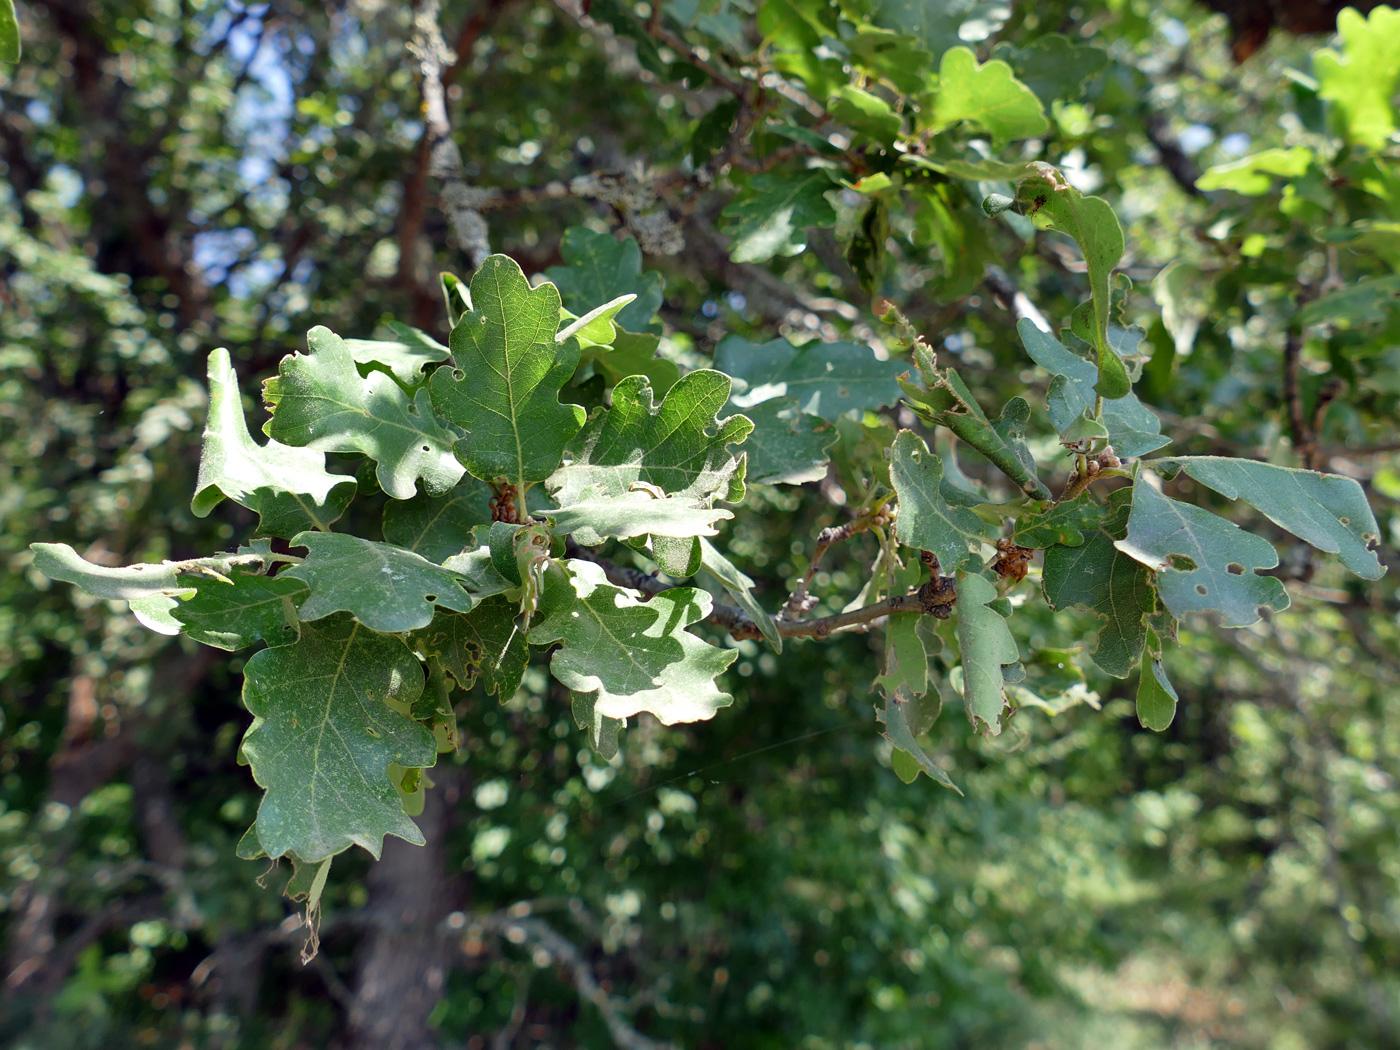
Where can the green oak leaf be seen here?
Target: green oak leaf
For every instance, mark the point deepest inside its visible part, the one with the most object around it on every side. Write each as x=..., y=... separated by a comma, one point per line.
x=404, y=358
x=987, y=96
x=9, y=32
x=386, y=588
x=740, y=587
x=1371, y=301
x=1253, y=176
x=773, y=213
x=504, y=390
x=678, y=556
x=894, y=715
x=711, y=131
x=323, y=737
x=635, y=655
x=926, y=519
x=485, y=645
x=1361, y=83
x=1133, y=428
x=319, y=400
x=866, y=113
x=1097, y=576
x=1053, y=66
x=1156, y=697
x=787, y=446
x=1053, y=204
x=1326, y=510
x=438, y=527
x=896, y=57
x=598, y=268
x=828, y=379
x=680, y=446
x=1202, y=561
x=1061, y=523
x=602, y=731
x=237, y=611
x=1050, y=683
x=987, y=646
x=591, y=520
x=288, y=488
x=904, y=674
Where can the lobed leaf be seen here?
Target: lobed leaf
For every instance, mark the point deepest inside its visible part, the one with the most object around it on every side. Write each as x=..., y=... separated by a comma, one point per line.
x=598, y=268
x=787, y=446
x=319, y=400
x=828, y=379
x=1202, y=561
x=1361, y=83
x=927, y=521
x=987, y=96
x=634, y=655
x=987, y=646
x=288, y=488
x=485, y=644
x=504, y=390
x=635, y=514
x=437, y=527
x=1062, y=523
x=241, y=609
x=772, y=216
x=404, y=358
x=323, y=738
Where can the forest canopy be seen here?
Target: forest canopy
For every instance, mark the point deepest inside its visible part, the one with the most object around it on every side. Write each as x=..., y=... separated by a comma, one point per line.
x=812, y=523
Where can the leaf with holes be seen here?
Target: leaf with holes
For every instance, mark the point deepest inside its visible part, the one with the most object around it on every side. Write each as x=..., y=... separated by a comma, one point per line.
x=323, y=737
x=485, y=645
x=288, y=488
x=1202, y=561
x=598, y=268
x=438, y=527
x=1133, y=428
x=680, y=447
x=1053, y=204
x=1326, y=510
x=319, y=400
x=927, y=521
x=504, y=390
x=828, y=379
x=634, y=655
x=385, y=587
x=1095, y=575
x=236, y=612
x=987, y=647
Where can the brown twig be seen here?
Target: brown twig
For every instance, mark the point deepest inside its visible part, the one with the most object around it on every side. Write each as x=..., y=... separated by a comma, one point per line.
x=800, y=601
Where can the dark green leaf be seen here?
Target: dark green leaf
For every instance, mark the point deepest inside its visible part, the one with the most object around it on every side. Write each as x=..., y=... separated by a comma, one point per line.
x=711, y=132
x=1367, y=302
x=235, y=614
x=772, y=215
x=986, y=644
x=438, y=527
x=1060, y=523
x=323, y=737
x=598, y=268
x=828, y=379
x=787, y=446
x=740, y=587
x=1053, y=66
x=926, y=520
x=486, y=643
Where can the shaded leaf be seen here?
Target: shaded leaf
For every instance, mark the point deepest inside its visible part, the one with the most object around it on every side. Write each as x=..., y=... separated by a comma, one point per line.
x=1202, y=561
x=926, y=520
x=1371, y=301
x=484, y=644
x=504, y=390
x=1060, y=523
x=740, y=587
x=323, y=738
x=1097, y=576
x=894, y=717
x=1156, y=697
x=866, y=113
x=235, y=613
x=1326, y=510
x=827, y=379
x=1053, y=66
x=773, y=213
x=1133, y=428
x=598, y=268
x=288, y=488
x=319, y=400
x=438, y=527
x=787, y=446
x=635, y=655
x=987, y=645
x=602, y=731
x=986, y=95
x=633, y=355
x=941, y=24
x=405, y=357
x=386, y=588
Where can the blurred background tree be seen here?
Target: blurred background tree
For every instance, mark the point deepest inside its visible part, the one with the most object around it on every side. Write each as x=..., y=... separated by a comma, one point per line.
x=188, y=174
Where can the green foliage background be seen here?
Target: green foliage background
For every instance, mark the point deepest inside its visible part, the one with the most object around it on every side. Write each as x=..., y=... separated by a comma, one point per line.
x=186, y=176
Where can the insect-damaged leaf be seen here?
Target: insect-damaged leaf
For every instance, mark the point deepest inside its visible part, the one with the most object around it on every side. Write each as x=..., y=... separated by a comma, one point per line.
x=288, y=488
x=634, y=655
x=987, y=646
x=1326, y=510
x=1202, y=561
x=319, y=400
x=485, y=644
x=323, y=737
x=504, y=390
x=927, y=521
x=1097, y=576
